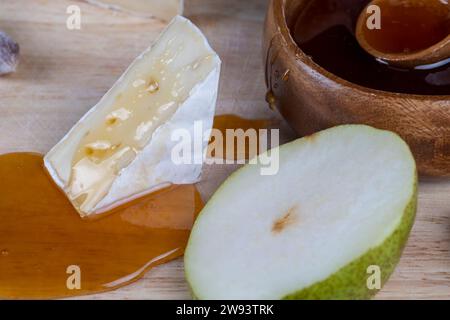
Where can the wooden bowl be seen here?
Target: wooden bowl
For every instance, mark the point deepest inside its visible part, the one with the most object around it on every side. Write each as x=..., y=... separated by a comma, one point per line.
x=312, y=99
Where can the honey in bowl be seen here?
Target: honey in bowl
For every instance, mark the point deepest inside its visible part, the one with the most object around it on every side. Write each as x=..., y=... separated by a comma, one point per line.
x=325, y=31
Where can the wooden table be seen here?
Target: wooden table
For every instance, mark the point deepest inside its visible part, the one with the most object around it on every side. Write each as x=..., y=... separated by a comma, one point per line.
x=63, y=73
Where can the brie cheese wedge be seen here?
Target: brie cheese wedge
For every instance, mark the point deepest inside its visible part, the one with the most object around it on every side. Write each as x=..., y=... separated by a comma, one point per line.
x=162, y=9
x=121, y=149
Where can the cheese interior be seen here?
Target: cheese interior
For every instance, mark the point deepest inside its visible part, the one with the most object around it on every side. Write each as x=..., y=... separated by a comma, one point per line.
x=146, y=97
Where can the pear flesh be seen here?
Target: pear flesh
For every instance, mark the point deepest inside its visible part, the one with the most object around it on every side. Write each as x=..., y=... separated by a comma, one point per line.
x=334, y=218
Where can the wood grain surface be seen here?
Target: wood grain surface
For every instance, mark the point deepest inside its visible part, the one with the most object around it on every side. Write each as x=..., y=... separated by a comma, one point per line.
x=63, y=73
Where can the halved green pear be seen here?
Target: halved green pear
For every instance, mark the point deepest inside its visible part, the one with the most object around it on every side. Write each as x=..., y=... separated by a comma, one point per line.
x=332, y=220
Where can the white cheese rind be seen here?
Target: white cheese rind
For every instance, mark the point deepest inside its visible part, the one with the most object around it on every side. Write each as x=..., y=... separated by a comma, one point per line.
x=156, y=157
x=153, y=168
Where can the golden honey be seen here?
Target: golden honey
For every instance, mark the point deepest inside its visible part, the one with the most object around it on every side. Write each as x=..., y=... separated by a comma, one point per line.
x=48, y=251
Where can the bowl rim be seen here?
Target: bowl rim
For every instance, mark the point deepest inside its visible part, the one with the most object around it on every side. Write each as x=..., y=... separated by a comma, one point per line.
x=281, y=21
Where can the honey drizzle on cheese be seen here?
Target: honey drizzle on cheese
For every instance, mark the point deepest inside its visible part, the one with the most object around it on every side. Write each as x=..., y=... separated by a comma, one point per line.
x=43, y=240
x=149, y=100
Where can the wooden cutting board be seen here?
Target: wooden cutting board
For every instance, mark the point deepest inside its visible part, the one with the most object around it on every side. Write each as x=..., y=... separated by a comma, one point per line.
x=63, y=73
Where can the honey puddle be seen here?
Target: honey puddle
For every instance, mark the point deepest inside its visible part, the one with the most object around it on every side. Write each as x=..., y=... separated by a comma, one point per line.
x=48, y=251
x=229, y=121
x=42, y=237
